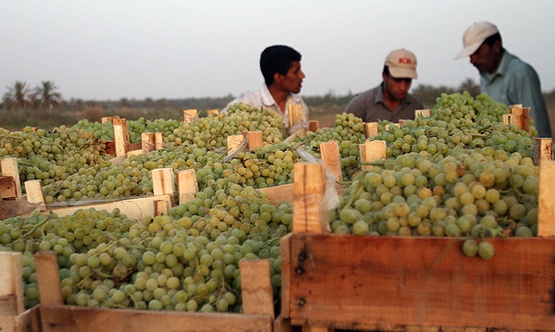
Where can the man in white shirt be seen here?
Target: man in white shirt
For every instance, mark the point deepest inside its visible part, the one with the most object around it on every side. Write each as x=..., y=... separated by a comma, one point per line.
x=283, y=78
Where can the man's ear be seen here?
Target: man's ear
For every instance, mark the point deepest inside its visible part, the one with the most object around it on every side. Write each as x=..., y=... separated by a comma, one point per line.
x=278, y=78
x=497, y=46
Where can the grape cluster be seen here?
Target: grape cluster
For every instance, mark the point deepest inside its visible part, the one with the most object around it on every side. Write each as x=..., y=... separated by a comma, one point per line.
x=468, y=194
x=211, y=132
x=457, y=120
x=187, y=260
x=52, y=156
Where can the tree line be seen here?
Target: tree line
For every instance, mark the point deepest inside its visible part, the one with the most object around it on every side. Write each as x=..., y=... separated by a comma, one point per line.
x=46, y=96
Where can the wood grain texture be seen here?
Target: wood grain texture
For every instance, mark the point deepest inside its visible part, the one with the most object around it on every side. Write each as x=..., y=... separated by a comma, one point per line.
x=390, y=283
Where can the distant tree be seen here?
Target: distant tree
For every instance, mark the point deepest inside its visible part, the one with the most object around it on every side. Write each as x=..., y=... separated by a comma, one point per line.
x=47, y=95
x=471, y=86
x=18, y=96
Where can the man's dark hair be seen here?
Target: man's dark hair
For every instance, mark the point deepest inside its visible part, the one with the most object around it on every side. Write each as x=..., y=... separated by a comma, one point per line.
x=492, y=39
x=386, y=71
x=277, y=59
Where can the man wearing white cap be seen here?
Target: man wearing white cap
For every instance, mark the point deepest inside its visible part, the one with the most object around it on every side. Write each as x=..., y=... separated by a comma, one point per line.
x=503, y=76
x=390, y=100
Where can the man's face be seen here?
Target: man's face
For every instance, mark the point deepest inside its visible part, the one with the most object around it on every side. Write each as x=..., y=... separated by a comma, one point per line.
x=293, y=81
x=484, y=59
x=397, y=88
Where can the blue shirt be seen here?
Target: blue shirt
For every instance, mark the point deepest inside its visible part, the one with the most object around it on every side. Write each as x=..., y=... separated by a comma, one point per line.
x=370, y=106
x=516, y=82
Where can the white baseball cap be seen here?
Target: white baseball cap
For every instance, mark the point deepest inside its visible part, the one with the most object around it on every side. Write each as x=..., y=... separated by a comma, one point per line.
x=474, y=36
x=402, y=64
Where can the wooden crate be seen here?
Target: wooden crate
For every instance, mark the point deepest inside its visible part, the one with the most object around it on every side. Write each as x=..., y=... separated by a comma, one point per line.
x=13, y=316
x=332, y=281
x=55, y=316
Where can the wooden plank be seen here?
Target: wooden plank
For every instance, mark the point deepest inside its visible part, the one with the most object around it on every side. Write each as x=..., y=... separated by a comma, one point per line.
x=134, y=208
x=9, y=168
x=332, y=158
x=48, y=278
x=367, y=282
x=546, y=194
x=425, y=113
x=11, y=279
x=286, y=279
x=214, y=112
x=187, y=185
x=120, y=140
x=543, y=149
x=370, y=129
x=309, y=214
x=163, y=182
x=295, y=114
x=521, y=117
x=34, y=193
x=28, y=321
x=7, y=187
x=234, y=142
x=256, y=287
x=148, y=143
x=8, y=312
x=254, y=139
x=313, y=125
x=59, y=318
x=371, y=151
x=190, y=115
x=278, y=194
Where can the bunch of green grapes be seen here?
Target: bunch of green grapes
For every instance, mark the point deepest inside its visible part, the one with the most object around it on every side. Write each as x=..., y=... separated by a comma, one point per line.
x=348, y=132
x=212, y=131
x=455, y=122
x=135, y=128
x=52, y=156
x=67, y=235
x=467, y=194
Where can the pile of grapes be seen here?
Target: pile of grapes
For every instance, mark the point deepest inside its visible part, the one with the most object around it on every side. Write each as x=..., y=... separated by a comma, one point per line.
x=187, y=260
x=459, y=173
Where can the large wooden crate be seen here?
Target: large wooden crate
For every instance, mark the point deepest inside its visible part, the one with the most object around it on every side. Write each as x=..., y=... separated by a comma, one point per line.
x=332, y=281
x=55, y=316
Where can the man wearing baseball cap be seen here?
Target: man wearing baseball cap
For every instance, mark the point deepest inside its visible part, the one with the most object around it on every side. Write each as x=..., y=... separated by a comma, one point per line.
x=390, y=100
x=503, y=76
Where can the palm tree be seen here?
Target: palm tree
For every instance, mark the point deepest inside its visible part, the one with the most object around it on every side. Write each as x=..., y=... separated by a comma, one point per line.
x=47, y=96
x=18, y=96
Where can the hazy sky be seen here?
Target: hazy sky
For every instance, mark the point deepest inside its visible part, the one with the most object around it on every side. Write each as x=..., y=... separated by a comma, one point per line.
x=113, y=49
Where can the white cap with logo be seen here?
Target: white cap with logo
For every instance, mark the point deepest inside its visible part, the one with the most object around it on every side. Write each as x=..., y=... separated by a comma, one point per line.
x=402, y=64
x=474, y=36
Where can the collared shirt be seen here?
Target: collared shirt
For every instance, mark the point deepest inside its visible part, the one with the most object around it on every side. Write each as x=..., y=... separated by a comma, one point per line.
x=263, y=98
x=370, y=106
x=516, y=82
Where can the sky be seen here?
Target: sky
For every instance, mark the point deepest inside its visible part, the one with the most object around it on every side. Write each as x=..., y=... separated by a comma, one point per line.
x=137, y=49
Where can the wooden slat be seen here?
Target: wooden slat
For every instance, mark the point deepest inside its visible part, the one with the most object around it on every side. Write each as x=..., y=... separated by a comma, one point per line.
x=48, y=278
x=148, y=142
x=425, y=113
x=391, y=283
x=276, y=195
x=163, y=181
x=543, y=149
x=546, y=195
x=371, y=151
x=135, y=208
x=286, y=278
x=256, y=288
x=309, y=214
x=370, y=129
x=295, y=113
x=11, y=281
x=187, y=185
x=9, y=168
x=254, y=139
x=190, y=115
x=59, y=318
x=332, y=158
x=313, y=125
